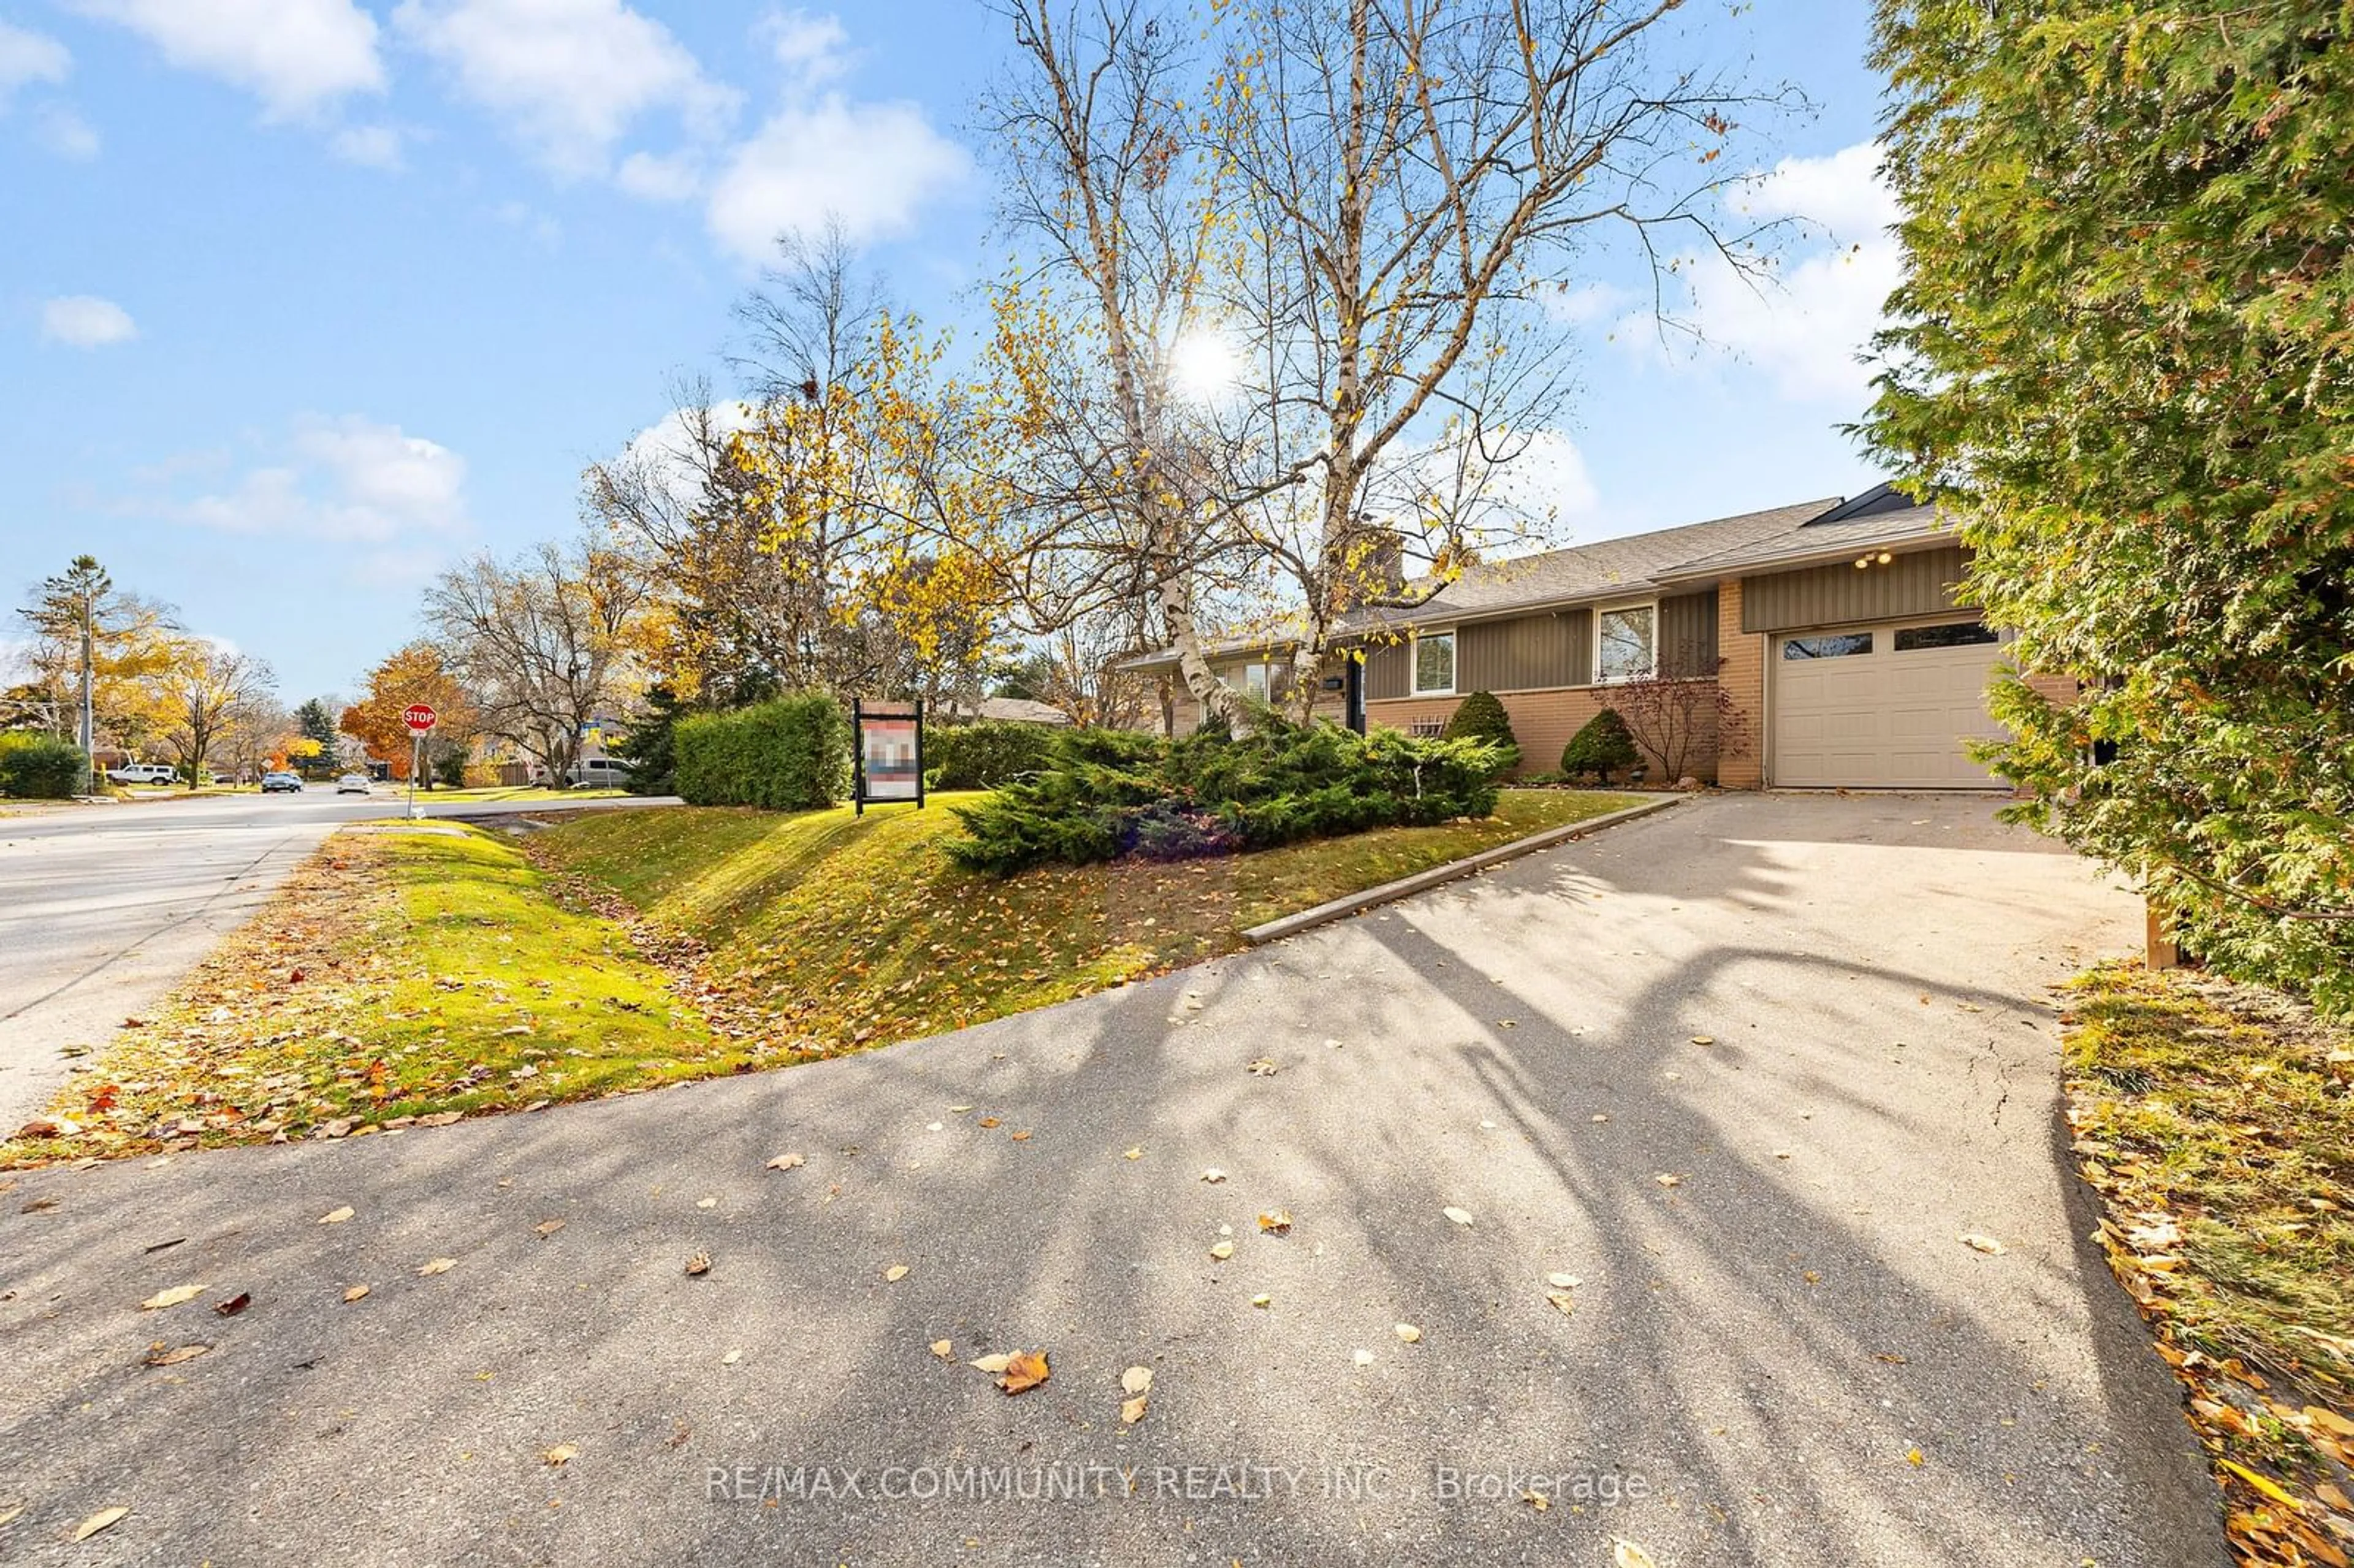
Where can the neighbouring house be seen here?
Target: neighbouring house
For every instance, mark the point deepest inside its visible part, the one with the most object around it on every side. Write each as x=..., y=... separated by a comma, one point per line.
x=1832, y=627
x=1001, y=710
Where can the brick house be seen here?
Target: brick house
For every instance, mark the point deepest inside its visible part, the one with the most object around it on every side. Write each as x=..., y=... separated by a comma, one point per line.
x=1833, y=626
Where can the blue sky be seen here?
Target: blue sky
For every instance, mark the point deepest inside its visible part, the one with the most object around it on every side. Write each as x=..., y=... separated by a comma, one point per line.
x=301, y=298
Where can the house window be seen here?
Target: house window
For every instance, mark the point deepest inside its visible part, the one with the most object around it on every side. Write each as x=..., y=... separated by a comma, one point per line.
x=1626, y=643
x=1838, y=645
x=1267, y=681
x=1434, y=663
x=1952, y=634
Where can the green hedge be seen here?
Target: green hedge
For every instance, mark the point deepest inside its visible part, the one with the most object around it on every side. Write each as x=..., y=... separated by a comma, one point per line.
x=792, y=755
x=1105, y=794
x=984, y=755
x=41, y=767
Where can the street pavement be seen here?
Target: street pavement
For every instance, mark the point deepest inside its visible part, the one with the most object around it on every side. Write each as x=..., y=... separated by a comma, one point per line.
x=104, y=907
x=1785, y=1355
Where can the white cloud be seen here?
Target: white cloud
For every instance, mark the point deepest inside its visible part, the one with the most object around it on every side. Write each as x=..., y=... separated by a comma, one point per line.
x=1807, y=321
x=874, y=165
x=813, y=50
x=522, y=215
x=342, y=479
x=370, y=146
x=297, y=56
x=570, y=76
x=1546, y=478
x=1581, y=304
x=66, y=134
x=85, y=321
x=29, y=56
x=650, y=178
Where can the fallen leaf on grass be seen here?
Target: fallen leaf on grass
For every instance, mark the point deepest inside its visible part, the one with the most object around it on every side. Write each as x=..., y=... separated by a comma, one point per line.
x=546, y=1228
x=172, y=1358
x=1980, y=1243
x=1409, y=1333
x=787, y=1162
x=944, y=1349
x=336, y=1217
x=438, y=1266
x=1461, y=1216
x=699, y=1263
x=98, y=1521
x=355, y=1293
x=234, y=1304
x=441, y=1119
x=896, y=1273
x=1276, y=1222
x=1222, y=1250
x=556, y=1457
x=172, y=1298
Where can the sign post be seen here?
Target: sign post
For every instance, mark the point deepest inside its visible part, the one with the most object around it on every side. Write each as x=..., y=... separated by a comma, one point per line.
x=887, y=754
x=420, y=718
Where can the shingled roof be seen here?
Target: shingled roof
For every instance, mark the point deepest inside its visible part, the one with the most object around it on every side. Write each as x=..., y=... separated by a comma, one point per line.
x=1600, y=570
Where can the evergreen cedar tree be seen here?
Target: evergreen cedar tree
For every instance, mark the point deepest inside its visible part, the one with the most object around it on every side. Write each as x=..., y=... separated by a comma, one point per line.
x=1601, y=747
x=2123, y=363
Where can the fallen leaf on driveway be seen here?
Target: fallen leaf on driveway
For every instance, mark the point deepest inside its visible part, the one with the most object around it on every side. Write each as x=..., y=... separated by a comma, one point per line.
x=1263, y=1067
x=1913, y=1458
x=1213, y=1175
x=1409, y=1333
x=1562, y=1302
x=787, y=1162
x=172, y=1298
x=732, y=1357
x=1276, y=1222
x=336, y=1217
x=1262, y=1301
x=1222, y=1250
x=1564, y=1281
x=1703, y=1039
x=1537, y=1500
x=161, y=1357
x=12, y=1513
x=706, y=1202
x=896, y=1273
x=1132, y=1154
x=1980, y=1243
x=98, y=1521
x=1627, y=1554
x=546, y=1228
x=987, y=1121
x=1668, y=1179
x=991, y=1364
x=1601, y=1115
x=355, y=1293
x=1363, y=1358
x=1461, y=1216
x=1135, y=1379
x=1025, y=1370
x=942, y=1348
x=438, y=1266
x=234, y=1304
x=699, y=1263
x=558, y=1456
x=1021, y=1137
x=1132, y=1411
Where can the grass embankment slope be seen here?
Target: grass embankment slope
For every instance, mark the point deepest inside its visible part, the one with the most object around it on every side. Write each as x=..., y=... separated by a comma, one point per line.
x=848, y=931
x=402, y=974
x=2217, y=1121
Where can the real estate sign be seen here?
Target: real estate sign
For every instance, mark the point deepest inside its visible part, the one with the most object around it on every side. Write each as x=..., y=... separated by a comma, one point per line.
x=888, y=754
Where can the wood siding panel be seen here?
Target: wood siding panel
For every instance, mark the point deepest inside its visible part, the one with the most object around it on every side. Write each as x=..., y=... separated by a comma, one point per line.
x=1387, y=669
x=1688, y=634
x=1918, y=583
x=1527, y=653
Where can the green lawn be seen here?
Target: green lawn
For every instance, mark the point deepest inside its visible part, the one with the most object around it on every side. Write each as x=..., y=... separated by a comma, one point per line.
x=848, y=932
x=403, y=973
x=2218, y=1123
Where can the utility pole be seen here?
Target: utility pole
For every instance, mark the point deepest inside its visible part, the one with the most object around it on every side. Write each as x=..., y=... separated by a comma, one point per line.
x=89, y=715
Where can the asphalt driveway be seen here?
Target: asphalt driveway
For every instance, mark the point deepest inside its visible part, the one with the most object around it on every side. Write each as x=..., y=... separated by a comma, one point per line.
x=1785, y=1355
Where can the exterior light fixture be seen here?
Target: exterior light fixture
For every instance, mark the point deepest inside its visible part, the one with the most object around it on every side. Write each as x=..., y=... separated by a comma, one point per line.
x=1885, y=557
x=1862, y=563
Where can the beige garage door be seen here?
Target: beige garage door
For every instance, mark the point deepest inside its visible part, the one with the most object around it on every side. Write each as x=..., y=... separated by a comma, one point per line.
x=1885, y=707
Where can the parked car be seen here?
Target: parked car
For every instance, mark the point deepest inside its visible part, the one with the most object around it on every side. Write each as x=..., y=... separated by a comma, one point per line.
x=598, y=773
x=352, y=784
x=281, y=784
x=143, y=773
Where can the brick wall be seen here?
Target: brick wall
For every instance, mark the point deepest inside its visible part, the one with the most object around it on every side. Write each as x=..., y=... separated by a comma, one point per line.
x=1742, y=675
x=1542, y=722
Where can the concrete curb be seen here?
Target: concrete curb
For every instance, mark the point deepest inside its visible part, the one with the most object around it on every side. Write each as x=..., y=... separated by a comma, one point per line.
x=1390, y=892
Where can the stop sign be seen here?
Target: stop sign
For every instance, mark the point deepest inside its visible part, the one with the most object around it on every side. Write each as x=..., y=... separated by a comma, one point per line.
x=418, y=717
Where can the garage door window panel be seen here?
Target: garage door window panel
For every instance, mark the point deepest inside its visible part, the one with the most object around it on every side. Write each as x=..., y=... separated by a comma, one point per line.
x=1834, y=645
x=1948, y=634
